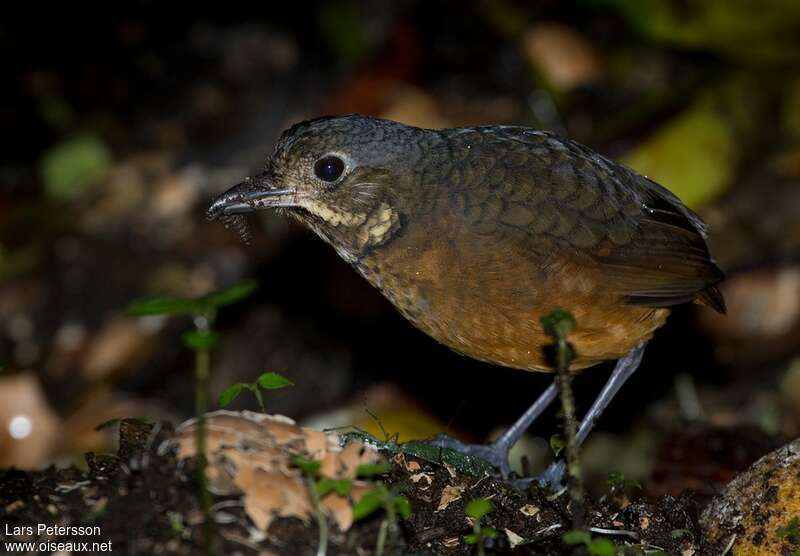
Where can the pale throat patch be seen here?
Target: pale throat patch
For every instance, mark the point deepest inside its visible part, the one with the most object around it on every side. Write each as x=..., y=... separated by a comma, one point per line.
x=372, y=228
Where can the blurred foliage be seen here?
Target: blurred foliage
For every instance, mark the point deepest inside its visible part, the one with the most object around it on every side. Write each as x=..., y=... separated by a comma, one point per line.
x=345, y=31
x=18, y=262
x=70, y=167
x=694, y=155
x=741, y=29
x=192, y=306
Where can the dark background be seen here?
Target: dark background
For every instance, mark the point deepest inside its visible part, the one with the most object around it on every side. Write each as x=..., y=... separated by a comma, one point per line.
x=121, y=125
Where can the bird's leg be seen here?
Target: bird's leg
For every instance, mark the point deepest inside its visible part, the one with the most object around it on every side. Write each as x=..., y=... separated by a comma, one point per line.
x=496, y=453
x=624, y=368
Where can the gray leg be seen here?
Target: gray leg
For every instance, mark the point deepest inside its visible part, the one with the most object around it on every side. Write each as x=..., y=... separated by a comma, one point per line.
x=625, y=367
x=496, y=452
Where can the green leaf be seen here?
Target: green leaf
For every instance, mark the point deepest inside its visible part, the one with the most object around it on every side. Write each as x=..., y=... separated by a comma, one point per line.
x=602, y=547
x=306, y=465
x=372, y=469
x=558, y=323
x=615, y=479
x=273, y=381
x=70, y=167
x=557, y=444
x=472, y=538
x=343, y=26
x=791, y=530
x=162, y=306
x=108, y=424
x=229, y=296
x=576, y=537
x=430, y=451
x=231, y=393
x=402, y=506
x=200, y=340
x=477, y=508
x=679, y=533
x=694, y=155
x=341, y=486
x=369, y=504
x=489, y=532
x=113, y=422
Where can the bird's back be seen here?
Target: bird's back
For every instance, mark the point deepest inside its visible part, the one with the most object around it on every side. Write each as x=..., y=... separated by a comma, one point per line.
x=510, y=223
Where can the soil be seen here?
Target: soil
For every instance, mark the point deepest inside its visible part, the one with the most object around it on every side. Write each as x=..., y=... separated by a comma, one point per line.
x=144, y=502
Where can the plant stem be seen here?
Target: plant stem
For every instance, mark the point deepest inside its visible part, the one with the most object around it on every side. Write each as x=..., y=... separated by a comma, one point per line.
x=570, y=432
x=322, y=523
x=381, y=543
x=257, y=392
x=476, y=529
x=201, y=372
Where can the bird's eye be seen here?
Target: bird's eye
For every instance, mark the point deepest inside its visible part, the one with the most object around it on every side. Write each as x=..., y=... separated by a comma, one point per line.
x=329, y=168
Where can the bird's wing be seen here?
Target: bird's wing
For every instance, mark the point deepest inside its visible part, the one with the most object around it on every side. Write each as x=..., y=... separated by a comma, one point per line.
x=570, y=202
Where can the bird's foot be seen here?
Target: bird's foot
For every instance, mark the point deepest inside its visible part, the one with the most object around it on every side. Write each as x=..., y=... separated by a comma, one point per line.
x=496, y=454
x=553, y=476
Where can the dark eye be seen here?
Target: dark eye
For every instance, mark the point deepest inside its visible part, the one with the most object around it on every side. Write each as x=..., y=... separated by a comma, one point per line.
x=329, y=168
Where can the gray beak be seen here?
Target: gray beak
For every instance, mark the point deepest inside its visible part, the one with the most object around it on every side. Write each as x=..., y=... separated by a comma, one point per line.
x=251, y=195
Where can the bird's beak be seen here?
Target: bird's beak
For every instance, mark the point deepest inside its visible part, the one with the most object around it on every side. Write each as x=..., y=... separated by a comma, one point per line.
x=251, y=195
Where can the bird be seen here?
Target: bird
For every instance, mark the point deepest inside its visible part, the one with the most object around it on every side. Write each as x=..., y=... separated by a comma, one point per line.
x=474, y=233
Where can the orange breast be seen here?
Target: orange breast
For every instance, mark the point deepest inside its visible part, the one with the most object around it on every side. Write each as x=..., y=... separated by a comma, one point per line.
x=486, y=300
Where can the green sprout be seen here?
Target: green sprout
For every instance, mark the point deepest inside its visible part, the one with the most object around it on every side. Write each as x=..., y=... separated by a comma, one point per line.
x=617, y=482
x=201, y=340
x=267, y=381
x=317, y=489
x=476, y=509
x=381, y=497
x=598, y=546
x=558, y=324
x=557, y=444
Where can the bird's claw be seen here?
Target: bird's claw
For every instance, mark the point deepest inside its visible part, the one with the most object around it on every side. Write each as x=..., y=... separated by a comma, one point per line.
x=494, y=454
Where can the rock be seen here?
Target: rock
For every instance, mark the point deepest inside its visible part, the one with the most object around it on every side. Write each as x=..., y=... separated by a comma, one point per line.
x=758, y=513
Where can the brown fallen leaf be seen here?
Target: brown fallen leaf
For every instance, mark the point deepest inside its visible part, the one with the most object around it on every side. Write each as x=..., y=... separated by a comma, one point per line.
x=513, y=539
x=565, y=58
x=529, y=510
x=29, y=429
x=252, y=453
x=450, y=494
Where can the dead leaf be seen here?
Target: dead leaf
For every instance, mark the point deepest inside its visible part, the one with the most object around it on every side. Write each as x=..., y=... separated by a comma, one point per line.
x=565, y=58
x=513, y=539
x=120, y=344
x=29, y=429
x=529, y=510
x=252, y=453
x=450, y=494
x=427, y=477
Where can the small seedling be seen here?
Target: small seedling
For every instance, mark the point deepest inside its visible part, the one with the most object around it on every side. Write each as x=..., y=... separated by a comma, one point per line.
x=201, y=340
x=557, y=444
x=558, y=324
x=598, y=546
x=267, y=381
x=310, y=470
x=476, y=509
x=380, y=497
x=618, y=483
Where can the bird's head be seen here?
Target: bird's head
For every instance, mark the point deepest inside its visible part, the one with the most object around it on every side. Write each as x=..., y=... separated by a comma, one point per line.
x=340, y=176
